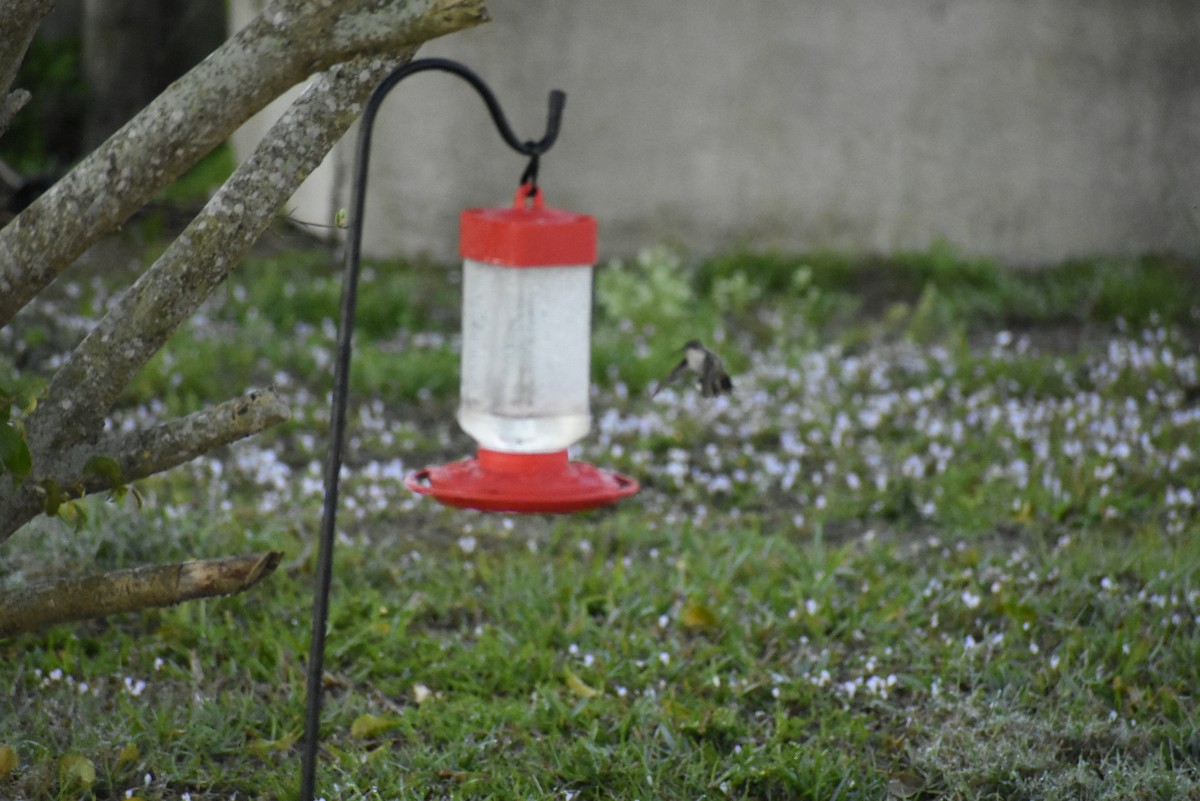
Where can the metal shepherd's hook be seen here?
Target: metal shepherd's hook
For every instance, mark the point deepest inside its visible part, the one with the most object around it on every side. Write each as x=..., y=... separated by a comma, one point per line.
x=341, y=372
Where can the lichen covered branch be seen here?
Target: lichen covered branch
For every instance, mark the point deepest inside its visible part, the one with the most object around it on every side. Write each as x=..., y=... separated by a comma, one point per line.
x=199, y=260
x=137, y=455
x=176, y=442
x=285, y=44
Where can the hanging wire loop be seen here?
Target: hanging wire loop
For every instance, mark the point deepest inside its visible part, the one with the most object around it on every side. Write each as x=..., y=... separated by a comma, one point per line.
x=341, y=371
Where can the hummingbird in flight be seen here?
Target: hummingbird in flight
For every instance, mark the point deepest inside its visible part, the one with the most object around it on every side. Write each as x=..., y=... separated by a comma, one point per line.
x=706, y=365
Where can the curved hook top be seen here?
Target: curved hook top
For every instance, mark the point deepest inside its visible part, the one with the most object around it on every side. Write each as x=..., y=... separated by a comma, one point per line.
x=557, y=100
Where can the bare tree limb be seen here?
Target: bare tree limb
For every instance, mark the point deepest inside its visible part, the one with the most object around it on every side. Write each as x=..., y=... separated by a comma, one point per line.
x=136, y=327
x=19, y=20
x=144, y=453
x=283, y=45
x=140, y=454
x=64, y=600
x=13, y=102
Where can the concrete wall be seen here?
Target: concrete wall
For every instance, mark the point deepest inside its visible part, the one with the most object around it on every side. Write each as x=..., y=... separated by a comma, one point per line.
x=1031, y=130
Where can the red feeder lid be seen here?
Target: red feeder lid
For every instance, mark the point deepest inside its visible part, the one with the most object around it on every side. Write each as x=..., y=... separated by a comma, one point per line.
x=521, y=482
x=530, y=234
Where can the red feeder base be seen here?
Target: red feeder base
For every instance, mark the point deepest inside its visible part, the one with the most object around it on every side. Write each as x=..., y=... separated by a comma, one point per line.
x=521, y=482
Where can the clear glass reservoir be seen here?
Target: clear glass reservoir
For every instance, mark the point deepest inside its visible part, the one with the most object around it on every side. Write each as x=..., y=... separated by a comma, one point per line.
x=526, y=356
x=527, y=319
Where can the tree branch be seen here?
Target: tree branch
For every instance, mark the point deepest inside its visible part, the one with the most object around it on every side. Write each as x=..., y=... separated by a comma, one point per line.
x=366, y=30
x=154, y=450
x=13, y=102
x=278, y=49
x=140, y=454
x=64, y=600
x=136, y=327
x=19, y=20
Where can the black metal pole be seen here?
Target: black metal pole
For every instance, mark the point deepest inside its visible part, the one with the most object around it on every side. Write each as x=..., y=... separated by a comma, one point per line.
x=341, y=369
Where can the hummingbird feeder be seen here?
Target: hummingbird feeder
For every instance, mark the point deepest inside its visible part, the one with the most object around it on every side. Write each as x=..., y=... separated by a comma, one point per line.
x=527, y=301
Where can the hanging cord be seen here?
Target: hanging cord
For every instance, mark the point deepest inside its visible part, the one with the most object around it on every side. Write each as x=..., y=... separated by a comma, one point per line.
x=341, y=371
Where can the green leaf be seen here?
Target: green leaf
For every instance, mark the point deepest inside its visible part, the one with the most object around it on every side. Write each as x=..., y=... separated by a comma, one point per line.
x=9, y=761
x=128, y=755
x=265, y=748
x=14, y=452
x=696, y=615
x=72, y=512
x=579, y=687
x=54, y=496
x=106, y=468
x=367, y=727
x=76, y=770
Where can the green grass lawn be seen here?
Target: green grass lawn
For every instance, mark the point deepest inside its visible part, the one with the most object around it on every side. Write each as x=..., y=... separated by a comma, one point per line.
x=942, y=542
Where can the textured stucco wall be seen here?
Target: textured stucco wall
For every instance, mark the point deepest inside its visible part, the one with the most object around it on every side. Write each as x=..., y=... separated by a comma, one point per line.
x=1032, y=130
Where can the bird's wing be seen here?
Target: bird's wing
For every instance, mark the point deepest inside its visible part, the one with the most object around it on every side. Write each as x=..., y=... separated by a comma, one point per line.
x=679, y=370
x=716, y=380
